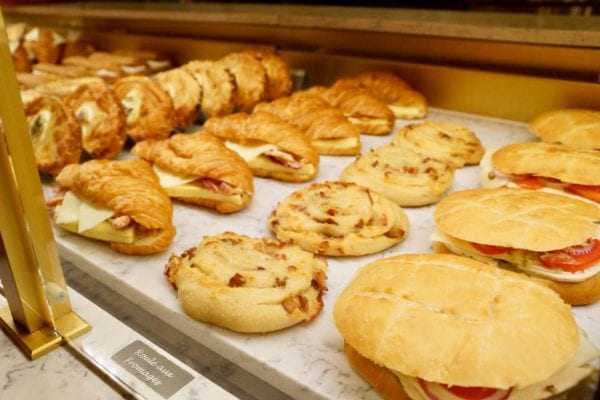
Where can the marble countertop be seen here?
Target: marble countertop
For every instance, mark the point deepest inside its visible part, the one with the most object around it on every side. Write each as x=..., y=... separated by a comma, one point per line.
x=305, y=361
x=61, y=374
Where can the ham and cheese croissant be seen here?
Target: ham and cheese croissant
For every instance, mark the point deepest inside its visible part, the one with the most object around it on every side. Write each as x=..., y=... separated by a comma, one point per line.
x=279, y=81
x=197, y=168
x=120, y=202
x=271, y=147
x=185, y=93
x=218, y=87
x=329, y=131
x=369, y=114
x=387, y=86
x=250, y=79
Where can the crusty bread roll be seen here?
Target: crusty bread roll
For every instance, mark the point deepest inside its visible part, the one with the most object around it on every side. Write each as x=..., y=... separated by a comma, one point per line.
x=403, y=176
x=456, y=321
x=571, y=127
x=517, y=218
x=248, y=285
x=339, y=219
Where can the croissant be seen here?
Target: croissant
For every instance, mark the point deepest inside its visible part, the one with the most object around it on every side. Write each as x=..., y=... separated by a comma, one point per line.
x=271, y=147
x=279, y=81
x=140, y=222
x=185, y=93
x=209, y=174
x=368, y=113
x=250, y=78
x=218, y=87
x=329, y=131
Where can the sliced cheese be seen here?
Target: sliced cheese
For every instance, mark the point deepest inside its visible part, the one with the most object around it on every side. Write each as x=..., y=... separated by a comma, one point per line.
x=57, y=39
x=169, y=179
x=103, y=231
x=89, y=116
x=133, y=69
x=157, y=64
x=91, y=215
x=68, y=211
x=406, y=111
x=132, y=103
x=195, y=191
x=343, y=143
x=250, y=152
x=366, y=120
x=33, y=35
x=534, y=267
x=14, y=45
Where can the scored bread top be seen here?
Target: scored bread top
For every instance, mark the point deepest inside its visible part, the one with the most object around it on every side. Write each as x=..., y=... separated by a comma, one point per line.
x=517, y=218
x=549, y=160
x=457, y=321
x=572, y=127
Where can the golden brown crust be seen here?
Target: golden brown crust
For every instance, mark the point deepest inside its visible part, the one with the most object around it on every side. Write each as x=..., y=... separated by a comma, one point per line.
x=279, y=81
x=317, y=119
x=108, y=71
x=549, y=160
x=369, y=114
x=571, y=127
x=45, y=49
x=101, y=117
x=60, y=71
x=445, y=141
x=385, y=383
x=218, y=87
x=475, y=314
x=517, y=218
x=54, y=132
x=20, y=60
x=250, y=77
x=64, y=87
x=185, y=93
x=131, y=188
x=202, y=155
x=339, y=219
x=267, y=128
x=248, y=285
x=31, y=81
x=148, y=108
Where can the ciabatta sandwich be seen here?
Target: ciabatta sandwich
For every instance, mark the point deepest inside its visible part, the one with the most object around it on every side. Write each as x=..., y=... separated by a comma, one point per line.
x=551, y=237
x=444, y=327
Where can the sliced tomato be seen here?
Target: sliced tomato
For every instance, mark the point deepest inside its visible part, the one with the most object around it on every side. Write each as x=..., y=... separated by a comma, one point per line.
x=589, y=192
x=489, y=249
x=471, y=393
x=437, y=391
x=528, y=181
x=574, y=258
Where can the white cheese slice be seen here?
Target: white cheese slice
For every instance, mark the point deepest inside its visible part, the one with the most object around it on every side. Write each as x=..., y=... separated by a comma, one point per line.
x=343, y=143
x=91, y=215
x=158, y=64
x=534, y=267
x=250, y=152
x=169, y=179
x=68, y=211
x=89, y=116
x=132, y=103
x=405, y=111
x=487, y=168
x=14, y=45
x=195, y=191
x=133, y=69
x=33, y=35
x=366, y=120
x=57, y=39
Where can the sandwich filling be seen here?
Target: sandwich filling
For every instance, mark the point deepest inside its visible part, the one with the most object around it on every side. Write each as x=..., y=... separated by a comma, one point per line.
x=406, y=111
x=76, y=215
x=341, y=143
x=572, y=264
x=89, y=116
x=269, y=156
x=493, y=178
x=575, y=370
x=198, y=187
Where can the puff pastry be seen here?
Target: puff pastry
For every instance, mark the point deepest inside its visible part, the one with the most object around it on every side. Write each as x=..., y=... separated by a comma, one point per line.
x=329, y=131
x=388, y=87
x=185, y=93
x=130, y=190
x=148, y=108
x=74, y=46
x=44, y=45
x=218, y=87
x=101, y=118
x=369, y=114
x=54, y=132
x=279, y=81
x=571, y=127
x=64, y=87
x=248, y=285
x=60, y=71
x=104, y=69
x=339, y=219
x=250, y=78
x=271, y=147
x=20, y=58
x=31, y=81
x=444, y=141
x=198, y=168
x=402, y=175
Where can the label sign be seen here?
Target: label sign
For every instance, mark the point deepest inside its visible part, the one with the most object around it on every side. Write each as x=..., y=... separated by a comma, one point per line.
x=150, y=367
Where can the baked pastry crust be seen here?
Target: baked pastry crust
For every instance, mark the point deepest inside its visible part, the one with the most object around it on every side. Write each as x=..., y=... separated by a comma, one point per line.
x=55, y=133
x=339, y=219
x=318, y=120
x=395, y=309
x=279, y=81
x=60, y=71
x=248, y=285
x=47, y=46
x=104, y=69
x=131, y=188
x=148, y=108
x=64, y=87
x=185, y=93
x=572, y=127
x=20, y=60
x=403, y=176
x=517, y=218
x=549, y=160
x=250, y=77
x=31, y=81
x=102, y=120
x=263, y=127
x=202, y=155
x=388, y=87
x=218, y=87
x=445, y=141
x=369, y=114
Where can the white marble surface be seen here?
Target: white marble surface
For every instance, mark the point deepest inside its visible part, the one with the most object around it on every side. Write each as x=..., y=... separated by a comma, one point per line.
x=61, y=375
x=305, y=361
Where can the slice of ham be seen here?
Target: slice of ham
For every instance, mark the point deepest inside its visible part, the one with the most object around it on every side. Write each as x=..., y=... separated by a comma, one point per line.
x=218, y=186
x=283, y=158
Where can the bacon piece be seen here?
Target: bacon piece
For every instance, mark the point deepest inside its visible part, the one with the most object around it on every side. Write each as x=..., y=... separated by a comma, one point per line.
x=218, y=186
x=121, y=221
x=283, y=158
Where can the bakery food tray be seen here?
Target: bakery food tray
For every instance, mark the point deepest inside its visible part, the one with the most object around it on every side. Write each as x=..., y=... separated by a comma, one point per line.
x=307, y=360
